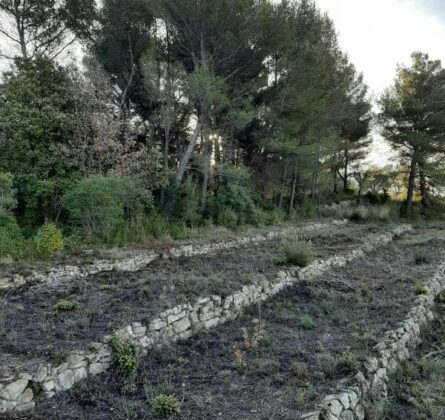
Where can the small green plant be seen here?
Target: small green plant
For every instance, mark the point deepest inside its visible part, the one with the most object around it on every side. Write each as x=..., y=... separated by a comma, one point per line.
x=440, y=298
x=306, y=395
x=347, y=363
x=307, y=322
x=12, y=243
x=420, y=289
x=123, y=356
x=295, y=252
x=328, y=365
x=165, y=406
x=299, y=371
x=267, y=367
x=48, y=241
x=65, y=305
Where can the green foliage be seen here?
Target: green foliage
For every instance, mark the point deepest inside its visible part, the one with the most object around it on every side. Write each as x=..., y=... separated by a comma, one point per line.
x=64, y=305
x=307, y=322
x=103, y=206
x=230, y=200
x=295, y=252
x=178, y=230
x=48, y=240
x=369, y=214
x=227, y=218
x=165, y=406
x=420, y=289
x=123, y=356
x=186, y=203
x=37, y=116
x=7, y=193
x=12, y=243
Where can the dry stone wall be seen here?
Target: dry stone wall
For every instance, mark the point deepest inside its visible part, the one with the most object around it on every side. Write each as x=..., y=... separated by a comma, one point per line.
x=368, y=388
x=19, y=390
x=142, y=259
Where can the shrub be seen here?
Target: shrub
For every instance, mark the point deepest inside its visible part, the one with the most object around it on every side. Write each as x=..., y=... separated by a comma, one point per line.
x=48, y=241
x=295, y=252
x=238, y=199
x=307, y=322
x=64, y=305
x=370, y=213
x=227, y=218
x=123, y=356
x=299, y=371
x=420, y=289
x=12, y=242
x=165, y=406
x=421, y=258
x=186, y=203
x=178, y=230
x=102, y=206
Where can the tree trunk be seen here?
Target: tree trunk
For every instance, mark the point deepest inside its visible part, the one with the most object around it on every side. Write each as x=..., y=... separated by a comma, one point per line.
x=426, y=201
x=187, y=154
x=410, y=194
x=345, y=176
x=208, y=146
x=165, y=164
x=292, y=197
x=283, y=186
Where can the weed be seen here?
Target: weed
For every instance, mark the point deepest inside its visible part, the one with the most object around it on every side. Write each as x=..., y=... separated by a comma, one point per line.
x=253, y=339
x=440, y=298
x=328, y=365
x=295, y=252
x=307, y=322
x=346, y=364
x=305, y=395
x=165, y=406
x=267, y=367
x=420, y=289
x=299, y=371
x=123, y=355
x=65, y=305
x=240, y=360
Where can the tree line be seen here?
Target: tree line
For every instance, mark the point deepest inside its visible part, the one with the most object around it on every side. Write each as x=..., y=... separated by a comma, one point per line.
x=197, y=109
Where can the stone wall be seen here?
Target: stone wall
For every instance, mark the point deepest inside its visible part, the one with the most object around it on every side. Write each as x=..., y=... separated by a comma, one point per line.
x=19, y=390
x=369, y=387
x=142, y=259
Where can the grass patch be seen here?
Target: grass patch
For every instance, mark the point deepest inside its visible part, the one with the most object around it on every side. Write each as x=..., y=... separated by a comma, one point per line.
x=296, y=252
x=65, y=305
x=420, y=289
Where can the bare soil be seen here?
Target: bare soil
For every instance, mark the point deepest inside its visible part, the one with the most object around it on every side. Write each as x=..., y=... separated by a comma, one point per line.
x=314, y=334
x=33, y=327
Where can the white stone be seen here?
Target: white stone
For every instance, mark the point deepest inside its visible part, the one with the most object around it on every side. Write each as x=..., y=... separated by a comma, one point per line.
x=12, y=391
x=65, y=380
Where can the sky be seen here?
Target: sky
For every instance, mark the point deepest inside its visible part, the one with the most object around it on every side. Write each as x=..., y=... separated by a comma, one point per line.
x=380, y=34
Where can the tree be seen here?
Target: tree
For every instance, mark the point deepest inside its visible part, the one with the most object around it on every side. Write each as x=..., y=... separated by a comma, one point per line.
x=36, y=117
x=413, y=118
x=44, y=28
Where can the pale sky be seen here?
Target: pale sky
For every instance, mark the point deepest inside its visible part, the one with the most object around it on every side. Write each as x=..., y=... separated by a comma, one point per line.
x=378, y=35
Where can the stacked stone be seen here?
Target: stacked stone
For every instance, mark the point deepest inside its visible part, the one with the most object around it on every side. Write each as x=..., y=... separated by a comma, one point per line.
x=370, y=387
x=18, y=392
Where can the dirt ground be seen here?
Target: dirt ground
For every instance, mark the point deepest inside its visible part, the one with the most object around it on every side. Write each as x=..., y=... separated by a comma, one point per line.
x=33, y=327
x=311, y=335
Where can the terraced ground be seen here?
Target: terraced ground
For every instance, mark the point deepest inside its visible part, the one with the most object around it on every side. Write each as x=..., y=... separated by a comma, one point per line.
x=275, y=362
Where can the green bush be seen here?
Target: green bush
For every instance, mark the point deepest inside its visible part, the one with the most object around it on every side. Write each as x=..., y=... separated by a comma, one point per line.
x=48, y=241
x=227, y=218
x=420, y=289
x=295, y=252
x=123, y=356
x=12, y=243
x=65, y=305
x=186, y=203
x=104, y=206
x=165, y=406
x=178, y=230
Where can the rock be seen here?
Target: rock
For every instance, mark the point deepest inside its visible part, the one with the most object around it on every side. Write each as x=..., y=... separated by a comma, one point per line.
x=313, y=415
x=332, y=405
x=347, y=415
x=12, y=391
x=182, y=325
x=65, y=380
x=26, y=397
